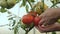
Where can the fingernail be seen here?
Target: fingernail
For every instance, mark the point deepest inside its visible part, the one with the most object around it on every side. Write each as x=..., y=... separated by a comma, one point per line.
x=42, y=26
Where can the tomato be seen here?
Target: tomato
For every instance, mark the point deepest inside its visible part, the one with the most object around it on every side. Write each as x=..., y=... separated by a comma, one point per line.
x=36, y=20
x=7, y=3
x=3, y=3
x=27, y=19
x=45, y=6
x=58, y=20
x=33, y=13
x=11, y=3
x=39, y=6
x=38, y=11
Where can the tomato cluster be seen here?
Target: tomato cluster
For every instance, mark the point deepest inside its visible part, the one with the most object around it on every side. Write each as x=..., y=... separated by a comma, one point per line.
x=31, y=17
x=7, y=3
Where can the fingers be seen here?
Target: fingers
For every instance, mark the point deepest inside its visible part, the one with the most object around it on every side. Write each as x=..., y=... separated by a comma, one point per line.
x=48, y=28
x=41, y=22
x=50, y=21
x=42, y=16
x=47, y=20
x=48, y=17
x=39, y=29
x=42, y=29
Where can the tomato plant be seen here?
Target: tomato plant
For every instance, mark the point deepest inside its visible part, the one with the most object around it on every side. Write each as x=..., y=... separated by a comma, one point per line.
x=27, y=22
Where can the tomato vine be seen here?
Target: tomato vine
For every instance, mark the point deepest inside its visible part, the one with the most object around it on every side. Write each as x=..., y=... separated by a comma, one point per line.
x=16, y=25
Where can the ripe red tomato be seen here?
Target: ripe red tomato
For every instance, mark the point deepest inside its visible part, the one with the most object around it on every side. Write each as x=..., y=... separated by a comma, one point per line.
x=33, y=13
x=27, y=19
x=36, y=20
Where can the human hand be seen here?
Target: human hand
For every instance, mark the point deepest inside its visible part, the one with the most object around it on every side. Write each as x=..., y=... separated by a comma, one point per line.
x=49, y=28
x=50, y=16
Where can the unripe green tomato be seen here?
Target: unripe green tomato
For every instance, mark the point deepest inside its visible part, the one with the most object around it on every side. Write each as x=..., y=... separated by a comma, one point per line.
x=58, y=20
x=38, y=11
x=11, y=3
x=3, y=3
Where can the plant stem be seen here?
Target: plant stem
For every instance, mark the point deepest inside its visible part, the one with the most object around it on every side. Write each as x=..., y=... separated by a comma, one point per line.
x=54, y=4
x=26, y=32
x=46, y=33
x=42, y=5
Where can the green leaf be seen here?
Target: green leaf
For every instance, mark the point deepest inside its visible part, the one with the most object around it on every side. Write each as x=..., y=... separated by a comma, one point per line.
x=10, y=18
x=31, y=0
x=55, y=4
x=11, y=28
x=15, y=29
x=23, y=26
x=3, y=10
x=14, y=22
x=54, y=1
x=8, y=12
x=21, y=5
x=54, y=32
x=27, y=7
x=18, y=1
x=24, y=2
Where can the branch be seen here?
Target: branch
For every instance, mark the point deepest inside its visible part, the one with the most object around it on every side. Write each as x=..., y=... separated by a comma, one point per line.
x=54, y=4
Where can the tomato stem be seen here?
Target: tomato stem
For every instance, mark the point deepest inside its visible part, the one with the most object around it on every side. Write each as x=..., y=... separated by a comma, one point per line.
x=26, y=32
x=43, y=4
x=46, y=32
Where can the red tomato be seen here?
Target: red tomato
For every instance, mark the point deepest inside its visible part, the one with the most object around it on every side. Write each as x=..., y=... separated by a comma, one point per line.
x=33, y=13
x=27, y=19
x=36, y=20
